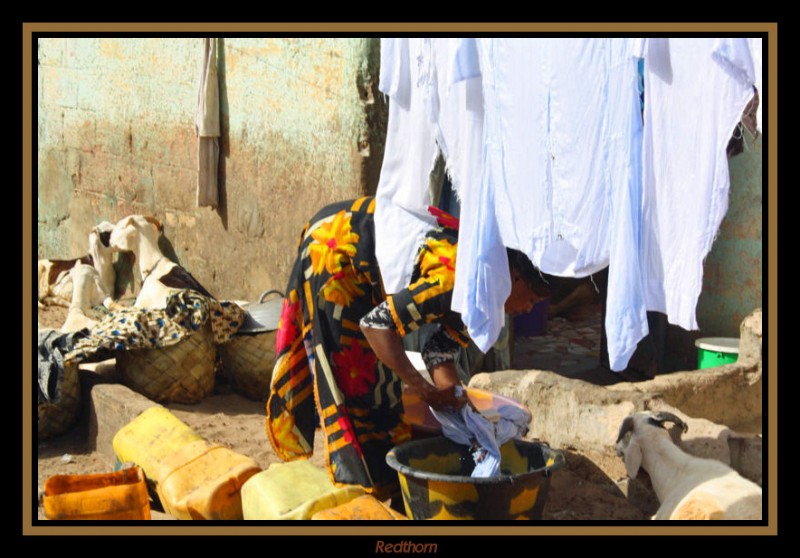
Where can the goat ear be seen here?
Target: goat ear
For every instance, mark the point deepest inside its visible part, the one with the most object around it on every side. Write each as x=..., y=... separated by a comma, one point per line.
x=128, y=222
x=625, y=427
x=155, y=222
x=633, y=457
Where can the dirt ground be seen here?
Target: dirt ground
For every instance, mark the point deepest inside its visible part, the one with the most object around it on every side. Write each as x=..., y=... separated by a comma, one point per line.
x=580, y=491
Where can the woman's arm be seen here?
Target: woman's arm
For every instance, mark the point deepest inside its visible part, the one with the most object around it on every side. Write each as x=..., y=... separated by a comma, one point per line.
x=388, y=347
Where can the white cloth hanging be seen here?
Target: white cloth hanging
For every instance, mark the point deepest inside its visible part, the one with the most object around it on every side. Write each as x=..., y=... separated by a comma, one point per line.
x=426, y=117
x=742, y=58
x=402, y=197
x=755, y=51
x=208, y=128
x=559, y=161
x=568, y=173
x=692, y=105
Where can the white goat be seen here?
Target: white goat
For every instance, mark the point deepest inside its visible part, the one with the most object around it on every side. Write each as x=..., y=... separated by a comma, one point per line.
x=160, y=276
x=55, y=281
x=687, y=487
x=86, y=293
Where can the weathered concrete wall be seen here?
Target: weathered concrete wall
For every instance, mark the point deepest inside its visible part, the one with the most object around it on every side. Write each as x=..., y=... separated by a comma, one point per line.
x=302, y=123
x=732, y=272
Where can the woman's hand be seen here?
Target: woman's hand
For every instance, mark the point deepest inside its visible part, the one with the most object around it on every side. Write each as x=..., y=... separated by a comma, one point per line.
x=388, y=347
x=441, y=398
x=441, y=395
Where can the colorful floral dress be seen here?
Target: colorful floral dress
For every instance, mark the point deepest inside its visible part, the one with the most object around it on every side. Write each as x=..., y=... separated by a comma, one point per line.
x=325, y=370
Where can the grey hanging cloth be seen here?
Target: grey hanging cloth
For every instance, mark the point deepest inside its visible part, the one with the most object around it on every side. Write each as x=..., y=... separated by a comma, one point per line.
x=208, y=129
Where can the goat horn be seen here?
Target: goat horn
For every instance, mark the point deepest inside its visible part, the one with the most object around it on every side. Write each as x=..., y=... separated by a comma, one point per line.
x=664, y=416
x=625, y=427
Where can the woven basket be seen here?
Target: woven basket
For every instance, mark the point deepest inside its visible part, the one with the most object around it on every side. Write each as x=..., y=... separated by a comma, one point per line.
x=247, y=361
x=59, y=414
x=181, y=373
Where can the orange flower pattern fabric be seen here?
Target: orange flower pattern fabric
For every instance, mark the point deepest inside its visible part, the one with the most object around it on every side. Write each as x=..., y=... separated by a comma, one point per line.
x=428, y=298
x=334, y=242
x=342, y=287
x=326, y=374
x=438, y=262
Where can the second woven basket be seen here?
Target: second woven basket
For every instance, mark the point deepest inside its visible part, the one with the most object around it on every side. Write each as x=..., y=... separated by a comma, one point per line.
x=249, y=357
x=180, y=373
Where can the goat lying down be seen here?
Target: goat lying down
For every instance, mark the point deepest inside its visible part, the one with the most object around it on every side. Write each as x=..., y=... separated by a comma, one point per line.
x=687, y=487
x=55, y=285
x=160, y=276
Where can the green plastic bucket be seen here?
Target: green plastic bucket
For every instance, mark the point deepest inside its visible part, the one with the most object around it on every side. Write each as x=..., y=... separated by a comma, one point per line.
x=716, y=351
x=435, y=480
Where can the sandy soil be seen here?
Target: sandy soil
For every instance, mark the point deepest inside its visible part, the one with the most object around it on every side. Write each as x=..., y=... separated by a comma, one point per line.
x=580, y=491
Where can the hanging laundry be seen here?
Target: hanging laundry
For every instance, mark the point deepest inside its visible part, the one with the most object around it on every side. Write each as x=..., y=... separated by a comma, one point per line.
x=208, y=128
x=561, y=167
x=401, y=199
x=693, y=103
x=560, y=175
x=461, y=136
x=626, y=322
x=742, y=58
x=427, y=119
x=755, y=51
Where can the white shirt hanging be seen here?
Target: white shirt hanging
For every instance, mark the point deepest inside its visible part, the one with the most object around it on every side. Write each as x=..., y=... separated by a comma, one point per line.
x=742, y=58
x=560, y=119
x=402, y=198
x=426, y=116
x=692, y=105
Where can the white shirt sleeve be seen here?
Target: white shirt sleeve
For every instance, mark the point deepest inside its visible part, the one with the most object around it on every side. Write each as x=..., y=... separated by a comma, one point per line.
x=394, y=76
x=741, y=58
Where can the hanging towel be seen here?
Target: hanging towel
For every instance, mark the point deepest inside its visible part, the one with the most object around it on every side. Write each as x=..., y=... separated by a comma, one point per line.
x=208, y=128
x=469, y=427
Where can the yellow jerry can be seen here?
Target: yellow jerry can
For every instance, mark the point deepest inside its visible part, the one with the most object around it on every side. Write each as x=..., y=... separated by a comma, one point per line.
x=121, y=495
x=293, y=490
x=150, y=438
x=363, y=508
x=204, y=481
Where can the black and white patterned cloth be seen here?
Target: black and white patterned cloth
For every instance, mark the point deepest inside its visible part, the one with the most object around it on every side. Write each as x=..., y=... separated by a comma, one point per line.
x=379, y=318
x=440, y=348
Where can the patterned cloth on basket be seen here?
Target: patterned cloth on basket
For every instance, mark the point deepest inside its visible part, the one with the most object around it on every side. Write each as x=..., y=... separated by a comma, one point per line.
x=141, y=328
